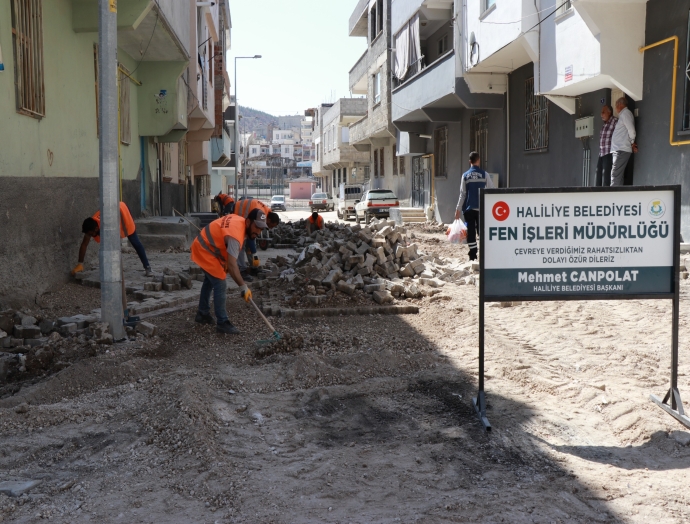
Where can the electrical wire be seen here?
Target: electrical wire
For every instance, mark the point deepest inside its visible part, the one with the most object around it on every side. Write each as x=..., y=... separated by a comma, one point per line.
x=150, y=39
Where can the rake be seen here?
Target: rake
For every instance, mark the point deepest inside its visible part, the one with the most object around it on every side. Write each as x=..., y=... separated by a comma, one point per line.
x=276, y=336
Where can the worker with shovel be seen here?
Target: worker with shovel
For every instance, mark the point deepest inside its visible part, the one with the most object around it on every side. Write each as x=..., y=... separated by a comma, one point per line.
x=243, y=207
x=215, y=250
x=92, y=229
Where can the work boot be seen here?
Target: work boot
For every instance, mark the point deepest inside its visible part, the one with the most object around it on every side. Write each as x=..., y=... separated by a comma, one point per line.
x=227, y=328
x=246, y=276
x=148, y=271
x=473, y=253
x=204, y=318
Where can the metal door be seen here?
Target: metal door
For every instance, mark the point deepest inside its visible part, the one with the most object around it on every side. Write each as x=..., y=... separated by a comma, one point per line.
x=420, y=182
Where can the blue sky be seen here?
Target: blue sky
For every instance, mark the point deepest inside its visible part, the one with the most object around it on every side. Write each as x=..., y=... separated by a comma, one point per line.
x=306, y=52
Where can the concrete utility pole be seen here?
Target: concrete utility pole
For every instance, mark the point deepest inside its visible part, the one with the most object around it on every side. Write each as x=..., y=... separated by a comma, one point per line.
x=110, y=255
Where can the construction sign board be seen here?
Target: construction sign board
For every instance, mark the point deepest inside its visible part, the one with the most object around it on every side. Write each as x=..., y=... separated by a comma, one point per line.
x=556, y=245
x=581, y=244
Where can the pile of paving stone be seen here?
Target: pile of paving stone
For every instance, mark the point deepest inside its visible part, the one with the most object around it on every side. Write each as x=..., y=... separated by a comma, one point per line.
x=20, y=331
x=376, y=260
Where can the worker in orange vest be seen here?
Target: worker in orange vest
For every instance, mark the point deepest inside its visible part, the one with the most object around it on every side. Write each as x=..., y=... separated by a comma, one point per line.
x=243, y=207
x=314, y=223
x=226, y=204
x=92, y=229
x=215, y=250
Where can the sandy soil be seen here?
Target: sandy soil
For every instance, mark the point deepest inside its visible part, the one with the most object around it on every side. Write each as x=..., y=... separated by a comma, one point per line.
x=370, y=421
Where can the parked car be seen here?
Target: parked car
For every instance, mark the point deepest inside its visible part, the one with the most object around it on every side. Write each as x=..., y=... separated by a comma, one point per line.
x=349, y=195
x=376, y=203
x=278, y=202
x=321, y=202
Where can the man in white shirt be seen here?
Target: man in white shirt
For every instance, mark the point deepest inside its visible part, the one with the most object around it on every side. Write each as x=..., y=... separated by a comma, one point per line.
x=622, y=142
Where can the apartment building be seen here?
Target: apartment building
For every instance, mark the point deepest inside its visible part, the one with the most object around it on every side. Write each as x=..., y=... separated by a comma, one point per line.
x=49, y=110
x=374, y=132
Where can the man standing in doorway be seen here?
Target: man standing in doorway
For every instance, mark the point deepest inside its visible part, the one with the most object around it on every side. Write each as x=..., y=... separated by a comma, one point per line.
x=605, y=157
x=622, y=142
x=468, y=203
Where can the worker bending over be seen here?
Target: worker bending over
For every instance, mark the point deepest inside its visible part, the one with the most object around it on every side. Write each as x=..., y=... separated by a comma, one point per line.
x=216, y=250
x=243, y=207
x=226, y=204
x=92, y=229
x=314, y=223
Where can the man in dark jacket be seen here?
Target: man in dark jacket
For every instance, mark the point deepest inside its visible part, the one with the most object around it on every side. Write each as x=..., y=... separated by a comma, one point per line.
x=468, y=205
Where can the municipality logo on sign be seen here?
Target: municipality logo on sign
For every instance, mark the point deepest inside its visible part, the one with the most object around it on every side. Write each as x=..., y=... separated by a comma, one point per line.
x=656, y=208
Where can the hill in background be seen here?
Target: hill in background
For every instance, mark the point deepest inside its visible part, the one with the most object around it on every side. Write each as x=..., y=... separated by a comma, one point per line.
x=255, y=121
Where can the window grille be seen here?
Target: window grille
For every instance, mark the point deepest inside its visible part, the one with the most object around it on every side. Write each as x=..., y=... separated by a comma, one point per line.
x=382, y=169
x=441, y=151
x=536, y=119
x=401, y=170
x=479, y=136
x=27, y=36
x=124, y=92
x=395, y=162
x=376, y=163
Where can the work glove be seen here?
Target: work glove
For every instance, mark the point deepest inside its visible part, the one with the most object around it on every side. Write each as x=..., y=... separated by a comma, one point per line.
x=246, y=293
x=77, y=269
x=255, y=261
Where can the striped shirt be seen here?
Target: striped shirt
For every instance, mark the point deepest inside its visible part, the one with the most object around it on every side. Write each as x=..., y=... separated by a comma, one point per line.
x=605, y=136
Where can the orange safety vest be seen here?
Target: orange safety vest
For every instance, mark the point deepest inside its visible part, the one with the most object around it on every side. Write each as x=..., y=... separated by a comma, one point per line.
x=208, y=249
x=245, y=206
x=319, y=223
x=126, y=222
x=225, y=199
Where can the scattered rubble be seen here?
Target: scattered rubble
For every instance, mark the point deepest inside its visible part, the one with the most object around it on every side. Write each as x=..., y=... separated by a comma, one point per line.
x=287, y=344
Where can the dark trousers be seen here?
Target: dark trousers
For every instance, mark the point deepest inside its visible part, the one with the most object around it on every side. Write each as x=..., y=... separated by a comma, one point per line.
x=228, y=209
x=139, y=248
x=217, y=287
x=604, y=170
x=472, y=219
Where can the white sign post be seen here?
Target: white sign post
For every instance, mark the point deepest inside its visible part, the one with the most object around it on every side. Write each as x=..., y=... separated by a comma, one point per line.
x=581, y=244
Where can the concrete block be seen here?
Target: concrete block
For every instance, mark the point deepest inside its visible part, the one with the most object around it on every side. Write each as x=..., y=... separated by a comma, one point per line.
x=382, y=297
x=6, y=323
x=346, y=288
x=315, y=300
x=68, y=329
x=364, y=271
x=351, y=246
x=358, y=282
x=170, y=279
x=5, y=342
x=432, y=282
x=146, y=329
x=416, y=263
x=28, y=321
x=385, y=231
x=380, y=255
x=35, y=342
x=16, y=342
x=355, y=259
x=332, y=278
x=153, y=286
x=200, y=277
x=371, y=288
x=363, y=248
x=27, y=331
x=413, y=292
x=395, y=288
x=46, y=326
x=171, y=287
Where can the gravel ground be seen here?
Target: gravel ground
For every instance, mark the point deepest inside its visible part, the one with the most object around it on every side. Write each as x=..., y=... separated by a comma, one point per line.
x=361, y=419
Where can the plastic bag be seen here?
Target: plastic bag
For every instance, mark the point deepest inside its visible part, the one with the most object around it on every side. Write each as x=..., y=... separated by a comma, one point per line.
x=457, y=233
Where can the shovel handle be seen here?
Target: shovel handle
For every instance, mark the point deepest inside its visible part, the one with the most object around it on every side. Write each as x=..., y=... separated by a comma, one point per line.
x=262, y=315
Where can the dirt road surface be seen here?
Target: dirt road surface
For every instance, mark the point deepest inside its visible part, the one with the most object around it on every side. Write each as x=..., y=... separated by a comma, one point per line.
x=370, y=421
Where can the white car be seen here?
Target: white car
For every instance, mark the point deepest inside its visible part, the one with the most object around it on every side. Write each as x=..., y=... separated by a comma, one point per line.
x=278, y=202
x=376, y=203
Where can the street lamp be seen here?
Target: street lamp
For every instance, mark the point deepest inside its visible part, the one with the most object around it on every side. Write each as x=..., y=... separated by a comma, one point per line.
x=237, y=126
